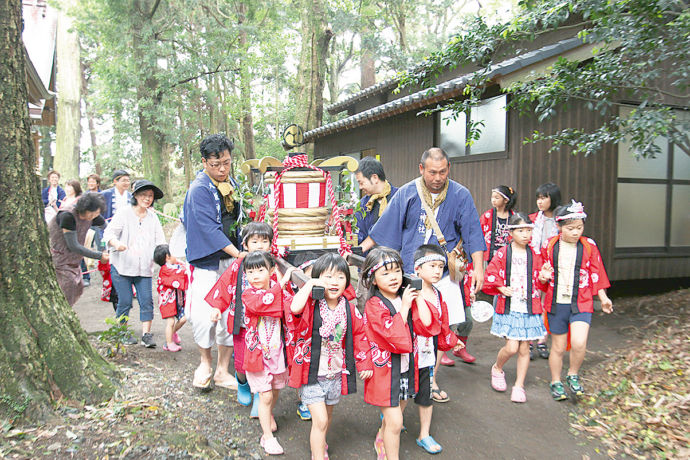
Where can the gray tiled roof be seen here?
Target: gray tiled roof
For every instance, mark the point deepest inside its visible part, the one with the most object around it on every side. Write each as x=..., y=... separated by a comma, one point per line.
x=440, y=92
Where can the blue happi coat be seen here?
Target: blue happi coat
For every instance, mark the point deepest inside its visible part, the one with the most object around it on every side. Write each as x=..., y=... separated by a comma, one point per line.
x=109, y=197
x=401, y=227
x=366, y=219
x=202, y=218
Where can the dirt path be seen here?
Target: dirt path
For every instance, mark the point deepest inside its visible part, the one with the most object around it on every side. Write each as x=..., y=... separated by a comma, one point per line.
x=476, y=423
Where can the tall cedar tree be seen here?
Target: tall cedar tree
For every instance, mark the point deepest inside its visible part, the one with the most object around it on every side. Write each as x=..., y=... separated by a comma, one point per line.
x=44, y=353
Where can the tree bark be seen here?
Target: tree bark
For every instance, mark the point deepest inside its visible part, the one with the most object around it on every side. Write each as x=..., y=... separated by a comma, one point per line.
x=90, y=116
x=245, y=86
x=68, y=98
x=154, y=148
x=44, y=353
x=316, y=36
x=46, y=152
x=367, y=60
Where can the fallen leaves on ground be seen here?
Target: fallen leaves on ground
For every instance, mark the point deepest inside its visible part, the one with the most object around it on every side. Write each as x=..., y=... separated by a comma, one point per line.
x=640, y=403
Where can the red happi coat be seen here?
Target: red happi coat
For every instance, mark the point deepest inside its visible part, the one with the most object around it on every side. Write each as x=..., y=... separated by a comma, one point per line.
x=590, y=275
x=223, y=294
x=258, y=303
x=467, y=285
x=389, y=337
x=170, y=279
x=444, y=339
x=304, y=367
x=498, y=274
x=104, y=268
x=488, y=223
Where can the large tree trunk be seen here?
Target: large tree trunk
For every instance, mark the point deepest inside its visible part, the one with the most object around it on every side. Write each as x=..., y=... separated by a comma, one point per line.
x=44, y=353
x=367, y=60
x=245, y=86
x=154, y=154
x=154, y=148
x=90, y=116
x=45, y=151
x=312, y=66
x=68, y=98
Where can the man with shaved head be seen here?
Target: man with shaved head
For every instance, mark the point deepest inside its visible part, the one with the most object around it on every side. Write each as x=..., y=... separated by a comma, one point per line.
x=405, y=226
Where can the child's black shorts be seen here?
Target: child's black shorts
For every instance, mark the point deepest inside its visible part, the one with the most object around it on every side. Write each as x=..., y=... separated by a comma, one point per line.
x=423, y=397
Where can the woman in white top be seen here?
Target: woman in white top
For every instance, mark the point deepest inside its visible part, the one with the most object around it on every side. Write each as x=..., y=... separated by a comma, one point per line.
x=132, y=235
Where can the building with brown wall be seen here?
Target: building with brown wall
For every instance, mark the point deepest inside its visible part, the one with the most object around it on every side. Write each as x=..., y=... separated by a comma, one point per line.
x=638, y=211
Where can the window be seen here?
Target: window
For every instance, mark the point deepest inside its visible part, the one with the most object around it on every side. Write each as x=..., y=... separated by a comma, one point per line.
x=653, y=200
x=452, y=130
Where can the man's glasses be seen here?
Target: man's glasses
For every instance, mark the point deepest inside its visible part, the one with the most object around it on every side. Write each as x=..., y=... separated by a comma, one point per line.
x=217, y=165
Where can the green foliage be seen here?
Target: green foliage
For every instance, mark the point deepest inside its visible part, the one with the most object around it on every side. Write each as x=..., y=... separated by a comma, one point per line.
x=348, y=198
x=177, y=66
x=640, y=57
x=116, y=335
x=16, y=408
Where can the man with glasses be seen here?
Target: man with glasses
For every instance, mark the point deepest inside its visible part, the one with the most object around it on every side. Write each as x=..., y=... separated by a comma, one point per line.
x=211, y=217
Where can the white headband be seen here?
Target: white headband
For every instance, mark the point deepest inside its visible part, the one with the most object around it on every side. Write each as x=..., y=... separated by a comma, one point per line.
x=381, y=263
x=428, y=258
x=575, y=211
x=503, y=194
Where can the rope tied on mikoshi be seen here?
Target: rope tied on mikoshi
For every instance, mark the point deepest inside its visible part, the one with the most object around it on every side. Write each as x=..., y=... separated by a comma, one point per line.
x=300, y=161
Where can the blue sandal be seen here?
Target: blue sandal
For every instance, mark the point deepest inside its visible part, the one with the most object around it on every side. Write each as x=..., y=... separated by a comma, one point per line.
x=244, y=393
x=428, y=444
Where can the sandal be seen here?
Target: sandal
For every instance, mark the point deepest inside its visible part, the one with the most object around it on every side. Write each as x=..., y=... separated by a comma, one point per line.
x=203, y=382
x=446, y=361
x=230, y=384
x=172, y=347
x=378, y=446
x=437, y=396
x=428, y=444
x=518, y=395
x=498, y=380
x=271, y=446
x=325, y=456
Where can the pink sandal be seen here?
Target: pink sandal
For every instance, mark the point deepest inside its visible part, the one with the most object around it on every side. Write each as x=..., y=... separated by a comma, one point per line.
x=271, y=446
x=378, y=446
x=498, y=380
x=325, y=456
x=173, y=347
x=176, y=338
x=518, y=395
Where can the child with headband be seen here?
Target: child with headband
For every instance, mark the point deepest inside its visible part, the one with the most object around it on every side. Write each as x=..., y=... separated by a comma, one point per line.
x=512, y=276
x=574, y=272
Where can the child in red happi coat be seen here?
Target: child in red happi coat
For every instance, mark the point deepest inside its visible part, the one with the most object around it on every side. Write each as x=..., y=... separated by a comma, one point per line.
x=494, y=221
x=227, y=293
x=173, y=280
x=429, y=263
x=393, y=319
x=575, y=273
x=512, y=276
x=305, y=261
x=331, y=346
x=265, y=358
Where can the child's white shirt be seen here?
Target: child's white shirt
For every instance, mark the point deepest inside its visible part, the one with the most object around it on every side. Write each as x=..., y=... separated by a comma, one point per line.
x=567, y=255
